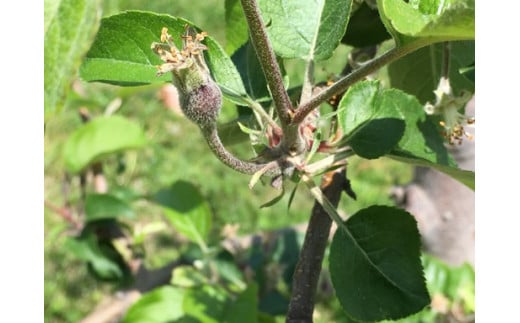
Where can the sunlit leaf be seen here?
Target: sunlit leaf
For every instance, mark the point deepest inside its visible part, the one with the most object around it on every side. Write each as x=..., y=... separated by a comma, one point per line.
x=305, y=29
x=163, y=304
x=100, y=137
x=432, y=21
x=121, y=52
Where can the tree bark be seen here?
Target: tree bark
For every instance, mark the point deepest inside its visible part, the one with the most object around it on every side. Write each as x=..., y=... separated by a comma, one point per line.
x=308, y=269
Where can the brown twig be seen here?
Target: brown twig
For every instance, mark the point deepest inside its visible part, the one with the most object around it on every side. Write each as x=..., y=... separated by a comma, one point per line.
x=308, y=269
x=65, y=213
x=342, y=84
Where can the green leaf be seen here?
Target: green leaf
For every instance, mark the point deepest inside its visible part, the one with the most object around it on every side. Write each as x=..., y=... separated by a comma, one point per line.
x=100, y=137
x=305, y=29
x=187, y=211
x=205, y=304
x=247, y=63
x=121, y=52
x=421, y=138
x=372, y=124
x=376, y=269
x=106, y=206
x=275, y=200
x=236, y=26
x=69, y=27
x=418, y=73
x=163, y=304
x=432, y=20
x=365, y=28
x=244, y=308
x=222, y=68
x=376, y=137
x=102, y=260
x=420, y=144
x=187, y=277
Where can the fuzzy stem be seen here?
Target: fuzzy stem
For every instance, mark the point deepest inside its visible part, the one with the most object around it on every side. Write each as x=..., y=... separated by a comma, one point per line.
x=210, y=133
x=342, y=84
x=267, y=60
x=307, y=272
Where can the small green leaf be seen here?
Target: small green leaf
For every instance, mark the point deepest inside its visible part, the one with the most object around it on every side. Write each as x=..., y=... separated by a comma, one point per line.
x=121, y=52
x=187, y=211
x=106, y=206
x=69, y=27
x=305, y=29
x=468, y=72
x=418, y=73
x=163, y=304
x=100, y=137
x=376, y=269
x=236, y=26
x=228, y=270
x=432, y=20
x=365, y=28
x=275, y=200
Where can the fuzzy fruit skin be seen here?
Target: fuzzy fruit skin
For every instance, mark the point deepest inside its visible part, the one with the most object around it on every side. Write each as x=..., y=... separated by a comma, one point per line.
x=202, y=104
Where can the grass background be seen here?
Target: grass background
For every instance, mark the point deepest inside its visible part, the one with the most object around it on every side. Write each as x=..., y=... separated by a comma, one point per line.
x=178, y=152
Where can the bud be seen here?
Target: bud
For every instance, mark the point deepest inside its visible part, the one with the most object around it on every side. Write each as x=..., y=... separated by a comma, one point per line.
x=199, y=96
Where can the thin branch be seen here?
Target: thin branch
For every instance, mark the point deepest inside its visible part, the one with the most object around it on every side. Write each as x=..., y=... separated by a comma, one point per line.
x=65, y=213
x=308, y=269
x=268, y=61
x=342, y=84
